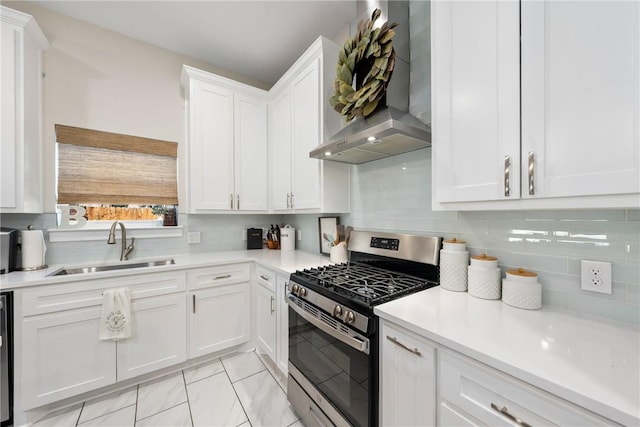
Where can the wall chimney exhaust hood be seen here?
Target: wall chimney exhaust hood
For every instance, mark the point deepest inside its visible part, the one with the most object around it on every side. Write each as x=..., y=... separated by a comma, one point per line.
x=392, y=130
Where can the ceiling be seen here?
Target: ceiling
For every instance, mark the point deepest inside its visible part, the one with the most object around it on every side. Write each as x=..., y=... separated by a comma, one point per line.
x=258, y=39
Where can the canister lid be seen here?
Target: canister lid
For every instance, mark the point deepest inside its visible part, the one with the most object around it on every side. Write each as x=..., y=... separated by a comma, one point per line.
x=522, y=272
x=484, y=257
x=455, y=241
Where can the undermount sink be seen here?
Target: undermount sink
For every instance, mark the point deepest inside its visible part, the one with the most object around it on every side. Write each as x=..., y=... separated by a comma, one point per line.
x=98, y=268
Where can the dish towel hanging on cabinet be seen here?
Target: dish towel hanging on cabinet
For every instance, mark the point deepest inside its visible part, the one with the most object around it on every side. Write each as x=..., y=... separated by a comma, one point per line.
x=115, y=322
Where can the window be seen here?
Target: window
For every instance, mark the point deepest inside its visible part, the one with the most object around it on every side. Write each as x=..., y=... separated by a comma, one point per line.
x=126, y=176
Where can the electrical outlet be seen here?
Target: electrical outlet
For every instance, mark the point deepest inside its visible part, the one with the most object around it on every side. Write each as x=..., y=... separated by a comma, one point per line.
x=299, y=234
x=193, y=237
x=244, y=235
x=596, y=276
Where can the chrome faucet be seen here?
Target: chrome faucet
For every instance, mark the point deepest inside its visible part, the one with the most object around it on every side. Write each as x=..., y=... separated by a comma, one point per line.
x=126, y=250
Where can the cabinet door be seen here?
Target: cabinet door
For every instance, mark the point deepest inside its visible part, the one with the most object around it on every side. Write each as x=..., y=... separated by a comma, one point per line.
x=158, y=338
x=305, y=93
x=250, y=147
x=581, y=97
x=219, y=318
x=8, y=149
x=407, y=378
x=280, y=152
x=265, y=312
x=282, y=308
x=210, y=147
x=63, y=357
x=475, y=97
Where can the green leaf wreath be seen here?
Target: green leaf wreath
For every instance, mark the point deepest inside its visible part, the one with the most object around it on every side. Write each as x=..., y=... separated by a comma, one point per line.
x=370, y=53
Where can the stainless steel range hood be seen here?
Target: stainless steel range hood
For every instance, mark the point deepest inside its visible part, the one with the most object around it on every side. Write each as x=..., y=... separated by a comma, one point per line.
x=386, y=133
x=391, y=130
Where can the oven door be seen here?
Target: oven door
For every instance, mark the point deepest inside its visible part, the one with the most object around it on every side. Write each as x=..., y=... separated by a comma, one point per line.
x=333, y=358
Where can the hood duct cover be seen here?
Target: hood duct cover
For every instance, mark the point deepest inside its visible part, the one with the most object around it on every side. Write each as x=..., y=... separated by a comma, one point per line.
x=391, y=130
x=385, y=133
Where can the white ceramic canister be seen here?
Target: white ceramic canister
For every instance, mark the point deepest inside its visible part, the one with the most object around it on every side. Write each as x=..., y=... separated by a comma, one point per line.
x=484, y=277
x=454, y=262
x=287, y=238
x=521, y=289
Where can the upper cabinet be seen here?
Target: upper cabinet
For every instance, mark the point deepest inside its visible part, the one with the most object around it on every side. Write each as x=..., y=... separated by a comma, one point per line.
x=536, y=104
x=21, y=146
x=300, y=119
x=226, y=150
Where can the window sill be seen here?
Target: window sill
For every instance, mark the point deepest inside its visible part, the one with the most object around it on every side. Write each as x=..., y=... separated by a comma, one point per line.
x=101, y=233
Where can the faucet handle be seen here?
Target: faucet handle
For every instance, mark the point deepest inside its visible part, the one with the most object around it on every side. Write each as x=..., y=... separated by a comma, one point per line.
x=129, y=248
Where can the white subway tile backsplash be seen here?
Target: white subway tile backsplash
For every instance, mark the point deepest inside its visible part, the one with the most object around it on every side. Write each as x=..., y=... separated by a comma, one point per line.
x=595, y=306
x=606, y=231
x=577, y=215
x=633, y=214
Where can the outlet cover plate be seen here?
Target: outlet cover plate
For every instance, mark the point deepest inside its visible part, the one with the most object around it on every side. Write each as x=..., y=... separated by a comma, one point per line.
x=193, y=237
x=595, y=276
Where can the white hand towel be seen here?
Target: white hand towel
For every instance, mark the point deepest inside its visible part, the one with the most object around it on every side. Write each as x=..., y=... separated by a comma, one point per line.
x=115, y=323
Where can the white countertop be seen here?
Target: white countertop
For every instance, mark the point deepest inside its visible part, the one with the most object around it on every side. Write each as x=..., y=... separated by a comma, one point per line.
x=281, y=261
x=591, y=362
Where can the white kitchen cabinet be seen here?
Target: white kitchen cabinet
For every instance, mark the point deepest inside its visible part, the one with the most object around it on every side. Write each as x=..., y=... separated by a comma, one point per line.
x=577, y=140
x=282, y=334
x=226, y=149
x=21, y=142
x=159, y=339
x=265, y=316
x=219, y=308
x=407, y=378
x=62, y=356
x=57, y=336
x=300, y=119
x=469, y=391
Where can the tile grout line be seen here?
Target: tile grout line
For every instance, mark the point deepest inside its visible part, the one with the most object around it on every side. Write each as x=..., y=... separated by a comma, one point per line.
x=236, y=393
x=186, y=391
x=135, y=414
x=80, y=413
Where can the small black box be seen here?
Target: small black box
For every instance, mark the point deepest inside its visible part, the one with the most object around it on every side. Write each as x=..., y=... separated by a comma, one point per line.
x=254, y=238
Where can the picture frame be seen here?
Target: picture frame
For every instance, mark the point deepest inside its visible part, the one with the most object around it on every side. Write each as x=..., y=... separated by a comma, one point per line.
x=327, y=229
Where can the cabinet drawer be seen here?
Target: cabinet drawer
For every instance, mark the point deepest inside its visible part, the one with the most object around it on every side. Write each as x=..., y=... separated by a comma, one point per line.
x=266, y=278
x=86, y=293
x=483, y=392
x=219, y=275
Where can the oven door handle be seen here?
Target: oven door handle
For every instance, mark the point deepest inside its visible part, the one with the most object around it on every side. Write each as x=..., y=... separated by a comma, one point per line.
x=360, y=344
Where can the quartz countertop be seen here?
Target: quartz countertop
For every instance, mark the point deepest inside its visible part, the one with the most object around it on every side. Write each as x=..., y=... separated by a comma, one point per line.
x=591, y=362
x=284, y=262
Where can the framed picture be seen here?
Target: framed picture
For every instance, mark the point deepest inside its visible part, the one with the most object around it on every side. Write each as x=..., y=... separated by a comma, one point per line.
x=328, y=230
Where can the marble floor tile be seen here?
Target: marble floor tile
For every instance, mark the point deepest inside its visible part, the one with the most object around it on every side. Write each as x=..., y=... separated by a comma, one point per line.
x=124, y=417
x=242, y=365
x=207, y=369
x=160, y=394
x=264, y=401
x=178, y=416
x=298, y=423
x=214, y=403
x=110, y=403
x=62, y=418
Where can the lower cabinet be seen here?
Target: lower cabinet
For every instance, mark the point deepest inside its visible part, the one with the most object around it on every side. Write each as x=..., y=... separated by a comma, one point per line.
x=265, y=312
x=424, y=383
x=160, y=337
x=62, y=356
x=407, y=378
x=220, y=309
x=282, y=324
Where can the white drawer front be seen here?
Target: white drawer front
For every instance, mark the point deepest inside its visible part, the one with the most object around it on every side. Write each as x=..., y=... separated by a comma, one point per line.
x=219, y=275
x=52, y=298
x=266, y=278
x=475, y=388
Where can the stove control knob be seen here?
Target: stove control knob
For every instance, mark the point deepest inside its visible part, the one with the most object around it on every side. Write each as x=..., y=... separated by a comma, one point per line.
x=337, y=310
x=303, y=292
x=350, y=317
x=294, y=289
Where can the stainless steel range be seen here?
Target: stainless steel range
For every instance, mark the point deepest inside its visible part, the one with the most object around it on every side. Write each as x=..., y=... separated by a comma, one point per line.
x=333, y=342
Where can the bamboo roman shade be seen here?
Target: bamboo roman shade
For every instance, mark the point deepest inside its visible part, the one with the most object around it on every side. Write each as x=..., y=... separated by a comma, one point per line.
x=96, y=167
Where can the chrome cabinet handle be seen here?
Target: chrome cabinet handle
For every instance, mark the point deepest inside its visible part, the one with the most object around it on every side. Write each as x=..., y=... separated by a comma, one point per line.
x=398, y=343
x=238, y=202
x=194, y=303
x=288, y=200
x=226, y=276
x=531, y=165
x=504, y=411
x=264, y=278
x=291, y=200
x=507, y=174
x=273, y=299
x=230, y=201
